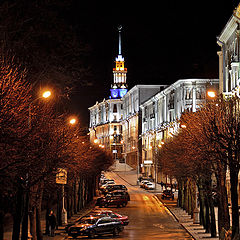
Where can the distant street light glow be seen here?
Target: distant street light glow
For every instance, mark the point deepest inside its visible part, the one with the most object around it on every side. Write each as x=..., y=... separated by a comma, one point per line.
x=72, y=121
x=211, y=94
x=46, y=94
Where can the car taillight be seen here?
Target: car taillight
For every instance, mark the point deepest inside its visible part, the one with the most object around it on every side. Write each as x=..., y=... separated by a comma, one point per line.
x=121, y=222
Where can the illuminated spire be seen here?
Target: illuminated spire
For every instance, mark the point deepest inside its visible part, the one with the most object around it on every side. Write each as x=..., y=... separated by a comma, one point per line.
x=119, y=42
x=119, y=86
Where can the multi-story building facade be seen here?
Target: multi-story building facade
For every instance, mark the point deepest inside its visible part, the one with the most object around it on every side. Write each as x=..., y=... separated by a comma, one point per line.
x=229, y=66
x=161, y=112
x=132, y=121
x=229, y=56
x=105, y=117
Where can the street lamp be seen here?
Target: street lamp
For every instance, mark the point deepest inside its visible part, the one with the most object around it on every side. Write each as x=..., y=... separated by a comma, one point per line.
x=45, y=95
x=211, y=94
x=72, y=121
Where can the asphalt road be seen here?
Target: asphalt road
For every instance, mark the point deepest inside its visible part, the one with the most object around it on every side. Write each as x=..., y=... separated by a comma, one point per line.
x=149, y=219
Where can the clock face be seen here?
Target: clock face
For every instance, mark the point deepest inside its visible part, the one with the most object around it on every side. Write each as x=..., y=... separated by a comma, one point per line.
x=114, y=93
x=122, y=92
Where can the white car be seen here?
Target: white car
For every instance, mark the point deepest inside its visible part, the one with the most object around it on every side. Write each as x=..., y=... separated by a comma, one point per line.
x=150, y=186
x=143, y=182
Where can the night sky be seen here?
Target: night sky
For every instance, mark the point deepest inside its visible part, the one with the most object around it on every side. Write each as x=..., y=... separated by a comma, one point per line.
x=162, y=41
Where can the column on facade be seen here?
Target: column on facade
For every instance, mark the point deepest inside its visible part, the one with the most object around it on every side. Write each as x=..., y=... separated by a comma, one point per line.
x=194, y=97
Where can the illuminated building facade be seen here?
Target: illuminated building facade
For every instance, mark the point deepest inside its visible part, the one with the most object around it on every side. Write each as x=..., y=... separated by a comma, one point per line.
x=229, y=67
x=131, y=121
x=105, y=117
x=161, y=112
x=229, y=57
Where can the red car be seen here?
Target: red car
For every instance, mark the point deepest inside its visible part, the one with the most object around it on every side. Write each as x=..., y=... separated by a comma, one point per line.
x=114, y=215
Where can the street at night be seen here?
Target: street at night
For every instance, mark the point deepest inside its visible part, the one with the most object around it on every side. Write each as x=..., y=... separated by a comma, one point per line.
x=148, y=218
x=119, y=120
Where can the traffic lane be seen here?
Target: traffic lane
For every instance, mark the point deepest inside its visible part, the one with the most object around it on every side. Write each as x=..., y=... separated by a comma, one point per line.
x=148, y=218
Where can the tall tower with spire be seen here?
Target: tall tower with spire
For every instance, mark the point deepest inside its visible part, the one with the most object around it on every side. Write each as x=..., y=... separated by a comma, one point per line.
x=119, y=86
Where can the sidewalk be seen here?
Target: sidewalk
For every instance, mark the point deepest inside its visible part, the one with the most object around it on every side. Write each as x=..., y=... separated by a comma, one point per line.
x=195, y=230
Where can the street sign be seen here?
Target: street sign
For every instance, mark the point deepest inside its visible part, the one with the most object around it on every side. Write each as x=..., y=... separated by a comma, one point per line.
x=114, y=151
x=61, y=176
x=147, y=162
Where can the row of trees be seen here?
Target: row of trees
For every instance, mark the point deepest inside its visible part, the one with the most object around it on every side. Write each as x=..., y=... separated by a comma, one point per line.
x=204, y=151
x=49, y=49
x=32, y=153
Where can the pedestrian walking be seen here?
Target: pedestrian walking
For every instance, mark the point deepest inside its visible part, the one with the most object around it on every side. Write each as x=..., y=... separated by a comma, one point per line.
x=52, y=223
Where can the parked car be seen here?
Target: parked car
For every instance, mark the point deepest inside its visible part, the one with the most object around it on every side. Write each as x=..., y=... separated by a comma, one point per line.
x=120, y=193
x=111, y=200
x=143, y=182
x=81, y=219
x=112, y=214
x=167, y=194
x=105, y=181
x=96, y=226
x=114, y=187
x=149, y=186
x=108, y=183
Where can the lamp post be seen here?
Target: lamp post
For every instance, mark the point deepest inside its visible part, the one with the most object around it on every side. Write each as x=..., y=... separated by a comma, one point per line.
x=25, y=233
x=72, y=121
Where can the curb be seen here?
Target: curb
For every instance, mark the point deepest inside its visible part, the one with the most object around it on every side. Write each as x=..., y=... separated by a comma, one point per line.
x=165, y=205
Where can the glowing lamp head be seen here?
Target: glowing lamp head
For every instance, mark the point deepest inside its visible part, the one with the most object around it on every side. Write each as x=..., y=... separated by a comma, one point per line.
x=95, y=140
x=211, y=94
x=72, y=121
x=46, y=94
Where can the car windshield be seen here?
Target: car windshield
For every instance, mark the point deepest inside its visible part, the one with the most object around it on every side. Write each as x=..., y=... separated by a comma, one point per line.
x=113, y=215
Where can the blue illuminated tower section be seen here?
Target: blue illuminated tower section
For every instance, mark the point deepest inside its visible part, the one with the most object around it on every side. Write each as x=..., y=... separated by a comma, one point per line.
x=119, y=86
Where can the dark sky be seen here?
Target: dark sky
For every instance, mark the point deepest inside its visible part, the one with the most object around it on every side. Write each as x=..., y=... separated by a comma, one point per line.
x=162, y=41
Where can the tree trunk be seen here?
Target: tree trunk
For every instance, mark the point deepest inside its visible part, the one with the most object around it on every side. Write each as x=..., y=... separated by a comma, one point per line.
x=201, y=204
x=48, y=207
x=185, y=196
x=1, y=225
x=25, y=218
x=17, y=216
x=79, y=196
x=207, y=215
x=234, y=199
x=75, y=197
x=59, y=209
x=182, y=193
x=213, y=219
x=223, y=211
x=32, y=217
x=38, y=223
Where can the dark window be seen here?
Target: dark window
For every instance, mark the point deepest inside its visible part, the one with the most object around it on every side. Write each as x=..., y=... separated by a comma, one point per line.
x=114, y=108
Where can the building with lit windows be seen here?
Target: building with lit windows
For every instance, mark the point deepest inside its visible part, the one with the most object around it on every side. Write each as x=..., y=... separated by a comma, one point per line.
x=229, y=57
x=132, y=121
x=105, y=117
x=229, y=66
x=160, y=114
